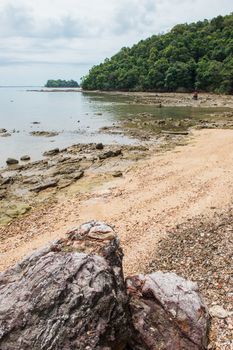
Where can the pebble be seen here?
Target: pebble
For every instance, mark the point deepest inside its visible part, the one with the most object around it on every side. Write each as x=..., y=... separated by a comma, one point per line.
x=219, y=312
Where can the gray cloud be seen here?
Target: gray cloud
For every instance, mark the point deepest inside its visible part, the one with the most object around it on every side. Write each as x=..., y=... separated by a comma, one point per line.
x=20, y=22
x=133, y=16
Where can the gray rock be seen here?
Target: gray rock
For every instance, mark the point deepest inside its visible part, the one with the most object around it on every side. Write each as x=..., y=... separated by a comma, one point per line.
x=6, y=180
x=219, y=312
x=78, y=175
x=117, y=174
x=110, y=154
x=11, y=161
x=67, y=297
x=44, y=133
x=6, y=134
x=99, y=146
x=168, y=313
x=25, y=158
x=51, y=152
x=44, y=185
x=2, y=130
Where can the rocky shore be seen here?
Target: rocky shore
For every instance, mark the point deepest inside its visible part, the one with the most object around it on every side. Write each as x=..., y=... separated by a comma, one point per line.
x=177, y=99
x=21, y=184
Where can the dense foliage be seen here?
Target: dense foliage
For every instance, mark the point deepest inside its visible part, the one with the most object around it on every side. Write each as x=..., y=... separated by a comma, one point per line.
x=198, y=55
x=61, y=84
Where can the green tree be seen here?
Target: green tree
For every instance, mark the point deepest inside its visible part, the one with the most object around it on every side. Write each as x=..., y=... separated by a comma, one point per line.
x=190, y=55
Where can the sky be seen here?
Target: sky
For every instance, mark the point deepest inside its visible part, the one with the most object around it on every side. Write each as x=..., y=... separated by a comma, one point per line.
x=63, y=39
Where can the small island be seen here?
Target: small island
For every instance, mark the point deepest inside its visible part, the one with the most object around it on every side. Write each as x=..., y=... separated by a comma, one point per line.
x=61, y=84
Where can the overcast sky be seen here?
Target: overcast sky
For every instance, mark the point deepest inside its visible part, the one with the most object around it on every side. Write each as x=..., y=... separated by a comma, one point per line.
x=45, y=39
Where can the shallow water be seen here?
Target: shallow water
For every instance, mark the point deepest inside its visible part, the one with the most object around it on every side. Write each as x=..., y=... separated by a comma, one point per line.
x=73, y=114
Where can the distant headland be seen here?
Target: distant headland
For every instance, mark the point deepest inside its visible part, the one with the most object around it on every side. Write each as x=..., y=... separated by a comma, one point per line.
x=61, y=84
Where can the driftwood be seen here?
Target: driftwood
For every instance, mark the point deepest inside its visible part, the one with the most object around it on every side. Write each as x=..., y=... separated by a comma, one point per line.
x=72, y=295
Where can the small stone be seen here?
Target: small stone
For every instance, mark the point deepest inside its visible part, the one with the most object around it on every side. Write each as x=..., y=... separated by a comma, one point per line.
x=11, y=161
x=110, y=154
x=99, y=146
x=44, y=133
x=25, y=158
x=51, y=152
x=117, y=174
x=219, y=312
x=6, y=134
x=2, y=131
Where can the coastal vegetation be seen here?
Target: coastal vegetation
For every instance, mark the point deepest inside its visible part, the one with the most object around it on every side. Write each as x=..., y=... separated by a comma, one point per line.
x=191, y=56
x=61, y=83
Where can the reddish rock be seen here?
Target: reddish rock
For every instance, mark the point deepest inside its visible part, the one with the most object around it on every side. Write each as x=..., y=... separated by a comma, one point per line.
x=167, y=313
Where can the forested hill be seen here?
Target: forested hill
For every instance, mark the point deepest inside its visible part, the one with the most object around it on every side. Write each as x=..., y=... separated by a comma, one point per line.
x=198, y=55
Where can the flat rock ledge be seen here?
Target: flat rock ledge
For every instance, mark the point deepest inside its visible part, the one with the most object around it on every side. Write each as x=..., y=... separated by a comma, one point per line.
x=73, y=295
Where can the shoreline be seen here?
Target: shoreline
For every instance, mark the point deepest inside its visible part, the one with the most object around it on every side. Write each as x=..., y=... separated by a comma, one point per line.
x=169, y=99
x=129, y=168
x=150, y=198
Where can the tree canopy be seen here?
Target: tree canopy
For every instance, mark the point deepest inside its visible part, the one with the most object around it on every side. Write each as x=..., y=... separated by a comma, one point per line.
x=61, y=83
x=191, y=56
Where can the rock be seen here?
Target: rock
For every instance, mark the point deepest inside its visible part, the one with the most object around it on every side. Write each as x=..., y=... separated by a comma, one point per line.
x=65, y=298
x=175, y=132
x=78, y=175
x=99, y=146
x=51, y=152
x=16, y=210
x=117, y=174
x=167, y=312
x=161, y=122
x=25, y=158
x=6, y=180
x=44, y=185
x=11, y=161
x=109, y=154
x=35, y=123
x=6, y=134
x=219, y=312
x=44, y=133
x=2, y=130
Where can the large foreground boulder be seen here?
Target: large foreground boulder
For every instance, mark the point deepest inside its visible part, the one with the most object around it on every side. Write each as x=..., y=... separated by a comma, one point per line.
x=72, y=295
x=67, y=297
